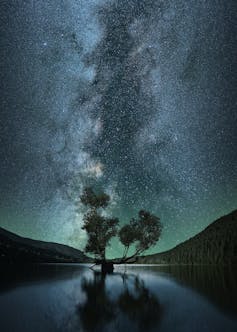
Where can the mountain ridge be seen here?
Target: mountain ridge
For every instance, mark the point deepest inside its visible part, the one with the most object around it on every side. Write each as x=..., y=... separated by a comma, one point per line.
x=15, y=248
x=213, y=245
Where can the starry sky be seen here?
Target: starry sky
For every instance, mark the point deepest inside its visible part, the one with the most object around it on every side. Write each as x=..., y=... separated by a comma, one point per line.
x=137, y=98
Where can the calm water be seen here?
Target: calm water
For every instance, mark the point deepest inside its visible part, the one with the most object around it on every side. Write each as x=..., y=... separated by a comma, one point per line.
x=145, y=298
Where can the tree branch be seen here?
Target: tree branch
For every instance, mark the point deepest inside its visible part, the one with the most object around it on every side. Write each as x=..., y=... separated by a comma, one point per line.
x=121, y=260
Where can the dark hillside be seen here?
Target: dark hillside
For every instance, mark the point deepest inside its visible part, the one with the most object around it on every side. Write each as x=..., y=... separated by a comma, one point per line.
x=216, y=244
x=14, y=248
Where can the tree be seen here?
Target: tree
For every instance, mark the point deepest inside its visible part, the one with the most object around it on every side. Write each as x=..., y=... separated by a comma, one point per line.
x=89, y=198
x=141, y=233
x=99, y=229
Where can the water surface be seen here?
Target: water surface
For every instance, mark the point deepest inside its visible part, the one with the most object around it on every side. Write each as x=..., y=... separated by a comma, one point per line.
x=136, y=298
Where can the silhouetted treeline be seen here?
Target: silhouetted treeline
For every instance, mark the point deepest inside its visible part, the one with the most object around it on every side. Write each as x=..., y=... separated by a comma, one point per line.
x=217, y=244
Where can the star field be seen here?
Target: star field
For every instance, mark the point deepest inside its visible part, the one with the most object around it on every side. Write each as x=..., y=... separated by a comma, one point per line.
x=135, y=97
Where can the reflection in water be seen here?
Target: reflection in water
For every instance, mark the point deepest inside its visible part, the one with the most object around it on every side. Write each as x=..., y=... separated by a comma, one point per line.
x=98, y=309
x=72, y=298
x=218, y=283
x=13, y=276
x=140, y=308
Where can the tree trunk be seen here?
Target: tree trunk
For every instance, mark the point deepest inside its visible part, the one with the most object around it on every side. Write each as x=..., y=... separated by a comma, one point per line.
x=107, y=267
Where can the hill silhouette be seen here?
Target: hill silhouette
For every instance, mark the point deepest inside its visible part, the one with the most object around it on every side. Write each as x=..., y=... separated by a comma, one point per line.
x=17, y=249
x=216, y=244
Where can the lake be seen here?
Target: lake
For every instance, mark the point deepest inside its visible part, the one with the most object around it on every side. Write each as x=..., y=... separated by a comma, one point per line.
x=65, y=298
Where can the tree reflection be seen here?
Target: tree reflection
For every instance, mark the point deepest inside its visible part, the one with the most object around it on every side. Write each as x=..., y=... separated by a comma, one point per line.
x=98, y=309
x=142, y=307
x=134, y=306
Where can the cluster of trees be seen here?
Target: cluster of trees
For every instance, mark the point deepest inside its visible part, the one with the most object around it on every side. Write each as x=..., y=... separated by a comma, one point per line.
x=140, y=233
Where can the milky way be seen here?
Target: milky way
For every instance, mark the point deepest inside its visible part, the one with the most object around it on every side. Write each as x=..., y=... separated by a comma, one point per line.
x=135, y=97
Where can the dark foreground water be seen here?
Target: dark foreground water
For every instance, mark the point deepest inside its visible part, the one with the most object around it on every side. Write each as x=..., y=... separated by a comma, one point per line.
x=145, y=298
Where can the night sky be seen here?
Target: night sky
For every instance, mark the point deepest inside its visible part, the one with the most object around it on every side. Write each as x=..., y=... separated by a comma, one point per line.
x=137, y=98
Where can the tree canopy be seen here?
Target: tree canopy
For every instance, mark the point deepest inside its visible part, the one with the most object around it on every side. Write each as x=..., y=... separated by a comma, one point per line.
x=141, y=233
x=95, y=201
